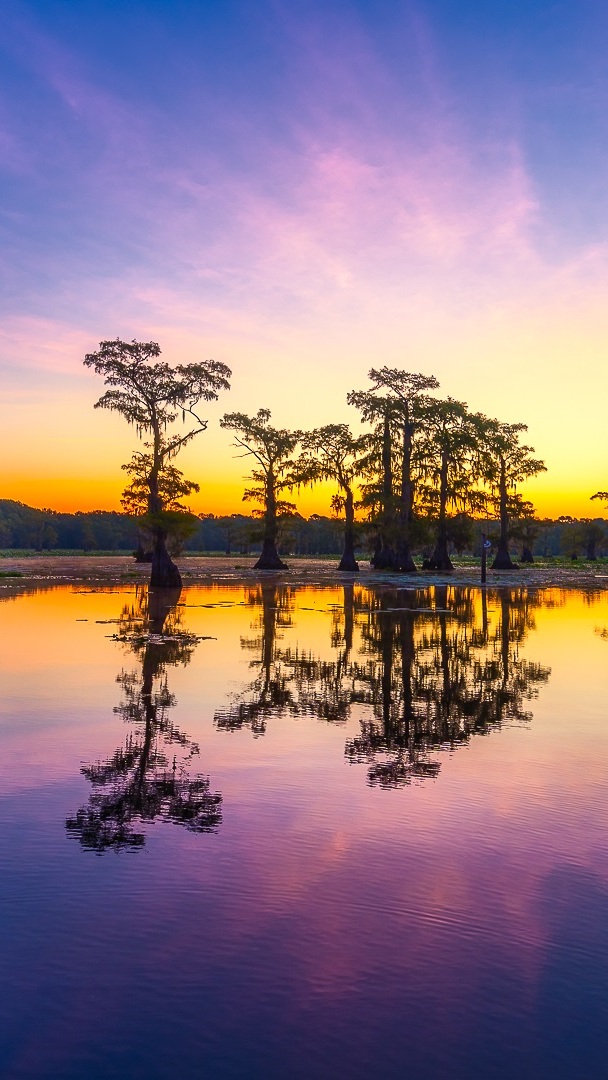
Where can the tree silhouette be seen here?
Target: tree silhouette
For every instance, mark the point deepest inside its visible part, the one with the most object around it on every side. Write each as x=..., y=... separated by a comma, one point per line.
x=336, y=455
x=378, y=467
x=148, y=778
x=525, y=526
x=504, y=464
x=450, y=439
x=151, y=395
x=409, y=390
x=276, y=471
x=172, y=489
x=591, y=533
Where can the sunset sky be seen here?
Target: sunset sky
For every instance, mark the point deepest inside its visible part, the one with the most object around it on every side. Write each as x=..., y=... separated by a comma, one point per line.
x=303, y=190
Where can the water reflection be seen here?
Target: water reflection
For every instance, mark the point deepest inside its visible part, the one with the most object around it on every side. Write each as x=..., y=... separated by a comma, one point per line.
x=269, y=691
x=434, y=679
x=429, y=670
x=149, y=777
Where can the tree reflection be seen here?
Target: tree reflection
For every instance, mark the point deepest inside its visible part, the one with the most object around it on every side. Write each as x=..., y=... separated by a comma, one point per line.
x=290, y=680
x=268, y=692
x=434, y=679
x=429, y=670
x=149, y=777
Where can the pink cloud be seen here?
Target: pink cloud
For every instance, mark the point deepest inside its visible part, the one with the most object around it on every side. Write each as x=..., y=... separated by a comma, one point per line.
x=42, y=345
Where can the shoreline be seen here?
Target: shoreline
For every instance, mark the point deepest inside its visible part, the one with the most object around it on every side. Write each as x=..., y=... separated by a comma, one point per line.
x=212, y=569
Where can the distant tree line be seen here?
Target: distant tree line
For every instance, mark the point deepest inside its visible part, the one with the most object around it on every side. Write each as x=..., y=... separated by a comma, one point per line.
x=26, y=528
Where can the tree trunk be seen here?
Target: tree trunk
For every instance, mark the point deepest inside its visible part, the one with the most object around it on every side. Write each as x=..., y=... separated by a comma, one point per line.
x=526, y=554
x=440, y=559
x=384, y=555
x=142, y=554
x=348, y=561
x=269, y=559
x=591, y=549
x=503, y=560
x=403, y=560
x=164, y=573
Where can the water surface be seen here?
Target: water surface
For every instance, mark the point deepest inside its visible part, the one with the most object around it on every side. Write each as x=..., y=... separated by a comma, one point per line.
x=271, y=831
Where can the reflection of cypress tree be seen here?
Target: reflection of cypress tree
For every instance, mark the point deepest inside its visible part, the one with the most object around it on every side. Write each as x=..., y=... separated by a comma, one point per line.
x=453, y=682
x=389, y=740
x=142, y=782
x=269, y=692
x=292, y=680
x=429, y=677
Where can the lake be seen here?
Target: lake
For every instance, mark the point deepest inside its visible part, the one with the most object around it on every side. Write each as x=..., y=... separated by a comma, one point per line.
x=271, y=830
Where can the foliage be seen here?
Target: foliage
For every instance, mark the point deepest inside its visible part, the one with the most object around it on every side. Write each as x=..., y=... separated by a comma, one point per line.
x=332, y=453
x=504, y=459
x=151, y=395
x=272, y=449
x=172, y=486
x=275, y=472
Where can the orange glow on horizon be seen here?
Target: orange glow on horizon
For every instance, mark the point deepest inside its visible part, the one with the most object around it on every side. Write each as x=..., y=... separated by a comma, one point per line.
x=215, y=497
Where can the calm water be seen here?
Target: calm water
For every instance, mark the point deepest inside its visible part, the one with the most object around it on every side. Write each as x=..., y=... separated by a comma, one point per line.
x=294, y=832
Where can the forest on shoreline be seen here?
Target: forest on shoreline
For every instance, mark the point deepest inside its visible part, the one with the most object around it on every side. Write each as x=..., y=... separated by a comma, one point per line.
x=26, y=528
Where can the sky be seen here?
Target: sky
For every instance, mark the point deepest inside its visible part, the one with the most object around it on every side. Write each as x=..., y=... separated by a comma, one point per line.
x=302, y=190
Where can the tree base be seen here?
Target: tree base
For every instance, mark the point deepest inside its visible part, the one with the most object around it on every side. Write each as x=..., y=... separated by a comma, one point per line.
x=504, y=562
x=164, y=574
x=441, y=566
x=404, y=563
x=526, y=555
x=383, y=557
x=165, y=577
x=348, y=564
x=439, y=561
x=270, y=559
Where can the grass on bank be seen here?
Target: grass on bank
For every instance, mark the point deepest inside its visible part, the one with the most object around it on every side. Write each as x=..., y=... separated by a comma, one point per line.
x=550, y=562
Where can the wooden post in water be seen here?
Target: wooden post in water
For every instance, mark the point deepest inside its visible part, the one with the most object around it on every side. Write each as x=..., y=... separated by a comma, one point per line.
x=484, y=558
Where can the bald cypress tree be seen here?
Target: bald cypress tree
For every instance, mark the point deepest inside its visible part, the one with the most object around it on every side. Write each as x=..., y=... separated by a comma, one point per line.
x=275, y=471
x=450, y=440
x=331, y=453
x=151, y=395
x=396, y=406
x=409, y=390
x=505, y=463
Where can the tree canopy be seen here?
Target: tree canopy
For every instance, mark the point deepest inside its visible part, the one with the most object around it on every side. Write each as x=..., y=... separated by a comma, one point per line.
x=152, y=395
x=332, y=453
x=275, y=472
